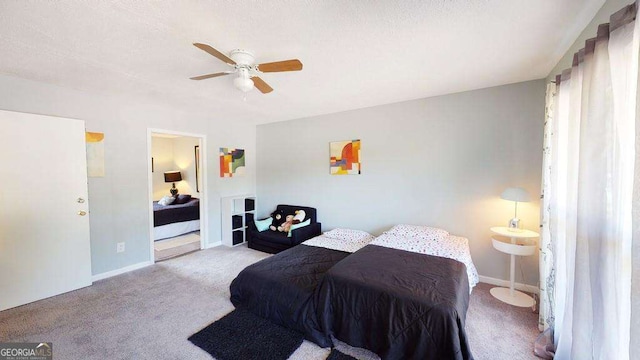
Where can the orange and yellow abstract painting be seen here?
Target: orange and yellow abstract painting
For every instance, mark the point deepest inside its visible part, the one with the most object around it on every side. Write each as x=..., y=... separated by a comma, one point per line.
x=345, y=157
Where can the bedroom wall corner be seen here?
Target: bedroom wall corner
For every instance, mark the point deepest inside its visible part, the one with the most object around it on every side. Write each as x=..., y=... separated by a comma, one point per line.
x=601, y=17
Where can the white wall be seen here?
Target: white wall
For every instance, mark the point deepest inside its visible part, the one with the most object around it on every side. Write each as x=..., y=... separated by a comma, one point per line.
x=119, y=202
x=440, y=161
x=162, y=153
x=184, y=160
x=174, y=154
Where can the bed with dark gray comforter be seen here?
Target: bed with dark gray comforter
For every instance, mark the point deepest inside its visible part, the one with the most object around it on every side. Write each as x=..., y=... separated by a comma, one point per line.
x=169, y=214
x=396, y=303
x=391, y=295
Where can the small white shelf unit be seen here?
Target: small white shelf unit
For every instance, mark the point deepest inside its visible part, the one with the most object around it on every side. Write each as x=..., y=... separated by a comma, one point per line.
x=237, y=213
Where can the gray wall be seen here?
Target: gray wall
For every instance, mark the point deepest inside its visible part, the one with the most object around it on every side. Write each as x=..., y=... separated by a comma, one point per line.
x=119, y=202
x=440, y=161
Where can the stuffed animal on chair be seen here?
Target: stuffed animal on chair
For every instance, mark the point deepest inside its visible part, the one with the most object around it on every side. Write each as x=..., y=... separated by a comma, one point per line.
x=278, y=218
x=287, y=224
x=299, y=217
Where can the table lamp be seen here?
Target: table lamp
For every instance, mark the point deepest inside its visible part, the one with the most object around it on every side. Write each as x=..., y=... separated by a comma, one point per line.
x=516, y=194
x=173, y=176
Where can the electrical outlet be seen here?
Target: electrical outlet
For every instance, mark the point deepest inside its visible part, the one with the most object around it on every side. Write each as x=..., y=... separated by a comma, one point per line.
x=120, y=247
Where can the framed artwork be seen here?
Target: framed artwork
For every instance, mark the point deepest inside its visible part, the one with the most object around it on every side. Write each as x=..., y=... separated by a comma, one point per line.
x=197, y=160
x=95, y=154
x=345, y=157
x=231, y=162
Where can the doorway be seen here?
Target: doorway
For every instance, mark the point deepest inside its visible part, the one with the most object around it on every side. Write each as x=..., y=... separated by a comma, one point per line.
x=177, y=178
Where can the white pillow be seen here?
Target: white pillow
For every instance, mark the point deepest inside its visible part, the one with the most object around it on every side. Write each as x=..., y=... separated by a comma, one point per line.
x=418, y=232
x=167, y=200
x=347, y=234
x=346, y=240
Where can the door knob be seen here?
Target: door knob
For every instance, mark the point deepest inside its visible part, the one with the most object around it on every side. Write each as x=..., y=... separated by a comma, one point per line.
x=80, y=200
x=82, y=213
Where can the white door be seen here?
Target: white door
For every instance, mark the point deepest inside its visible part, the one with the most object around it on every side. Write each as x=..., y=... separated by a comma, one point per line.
x=44, y=220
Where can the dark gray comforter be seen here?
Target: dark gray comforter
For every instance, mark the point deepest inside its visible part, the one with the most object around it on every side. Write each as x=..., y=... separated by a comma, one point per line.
x=163, y=215
x=398, y=304
x=282, y=288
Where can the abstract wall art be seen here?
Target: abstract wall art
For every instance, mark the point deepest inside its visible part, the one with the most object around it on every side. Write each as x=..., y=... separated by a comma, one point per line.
x=231, y=162
x=95, y=154
x=345, y=157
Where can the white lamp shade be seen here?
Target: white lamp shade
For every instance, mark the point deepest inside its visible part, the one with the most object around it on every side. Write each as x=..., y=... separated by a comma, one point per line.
x=516, y=194
x=243, y=84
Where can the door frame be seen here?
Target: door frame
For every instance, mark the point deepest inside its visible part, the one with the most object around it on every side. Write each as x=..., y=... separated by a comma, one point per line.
x=204, y=213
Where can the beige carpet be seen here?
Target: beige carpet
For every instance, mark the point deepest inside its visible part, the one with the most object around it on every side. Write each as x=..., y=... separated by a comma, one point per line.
x=150, y=313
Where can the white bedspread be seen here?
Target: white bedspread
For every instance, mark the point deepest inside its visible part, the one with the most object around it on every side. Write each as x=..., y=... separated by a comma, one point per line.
x=342, y=240
x=451, y=247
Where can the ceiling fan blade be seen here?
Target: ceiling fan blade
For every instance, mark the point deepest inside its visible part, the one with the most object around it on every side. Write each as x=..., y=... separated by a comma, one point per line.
x=286, y=65
x=261, y=85
x=209, y=76
x=215, y=53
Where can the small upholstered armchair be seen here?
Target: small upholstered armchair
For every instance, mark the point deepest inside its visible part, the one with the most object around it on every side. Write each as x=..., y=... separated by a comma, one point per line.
x=274, y=241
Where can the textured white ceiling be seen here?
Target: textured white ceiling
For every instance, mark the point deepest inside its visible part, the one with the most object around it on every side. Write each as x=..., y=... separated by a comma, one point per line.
x=356, y=53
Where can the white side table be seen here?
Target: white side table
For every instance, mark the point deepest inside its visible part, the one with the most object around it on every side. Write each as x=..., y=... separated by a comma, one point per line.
x=513, y=248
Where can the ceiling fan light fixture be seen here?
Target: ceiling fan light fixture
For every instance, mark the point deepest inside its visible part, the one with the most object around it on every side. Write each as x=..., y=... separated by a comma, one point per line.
x=243, y=84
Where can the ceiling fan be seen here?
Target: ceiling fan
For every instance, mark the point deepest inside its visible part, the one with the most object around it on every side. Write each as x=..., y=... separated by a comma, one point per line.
x=242, y=62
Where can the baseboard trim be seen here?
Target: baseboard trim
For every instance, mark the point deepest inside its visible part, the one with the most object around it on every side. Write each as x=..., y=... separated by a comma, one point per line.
x=213, y=244
x=505, y=283
x=123, y=270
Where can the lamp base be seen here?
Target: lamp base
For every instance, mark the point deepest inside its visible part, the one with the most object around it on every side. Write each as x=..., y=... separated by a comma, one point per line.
x=174, y=190
x=518, y=298
x=514, y=225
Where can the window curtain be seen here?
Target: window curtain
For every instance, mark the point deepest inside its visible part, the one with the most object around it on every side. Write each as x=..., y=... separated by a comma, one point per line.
x=547, y=270
x=588, y=176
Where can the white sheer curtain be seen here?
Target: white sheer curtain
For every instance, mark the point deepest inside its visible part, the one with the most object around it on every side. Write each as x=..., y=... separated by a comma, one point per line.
x=547, y=270
x=588, y=187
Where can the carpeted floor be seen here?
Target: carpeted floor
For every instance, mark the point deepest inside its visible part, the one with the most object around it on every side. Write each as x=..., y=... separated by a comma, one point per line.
x=150, y=313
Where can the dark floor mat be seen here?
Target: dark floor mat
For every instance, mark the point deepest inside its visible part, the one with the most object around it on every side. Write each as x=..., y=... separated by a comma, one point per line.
x=240, y=335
